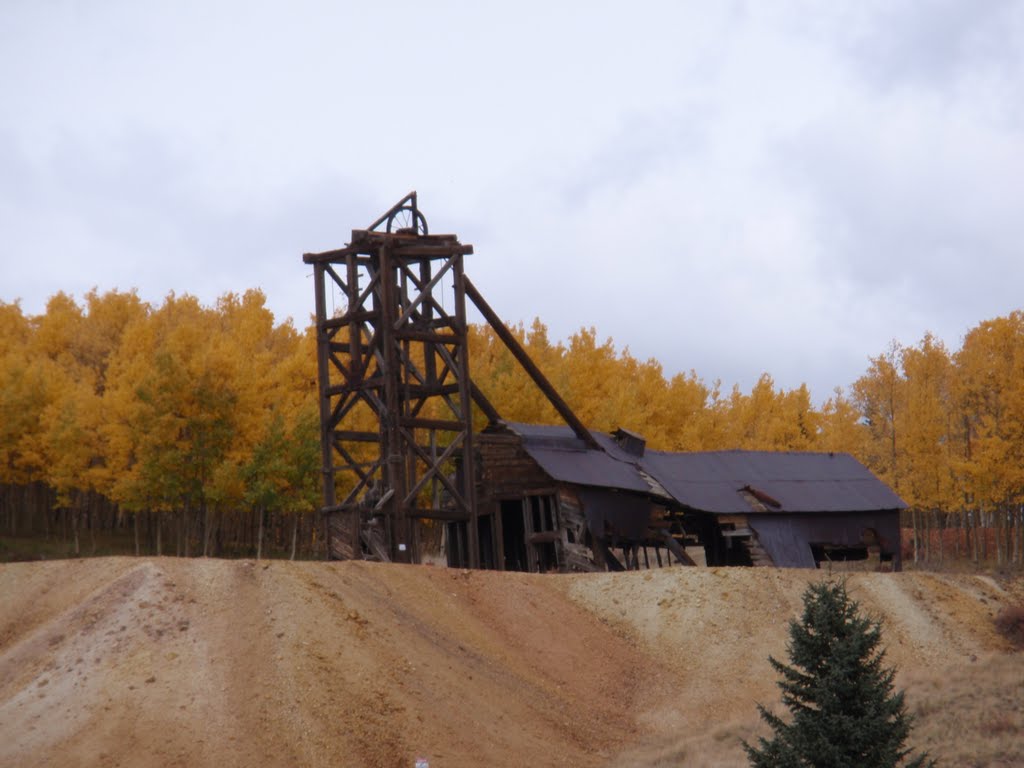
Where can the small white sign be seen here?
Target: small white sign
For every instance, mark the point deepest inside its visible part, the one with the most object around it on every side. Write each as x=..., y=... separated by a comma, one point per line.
x=401, y=548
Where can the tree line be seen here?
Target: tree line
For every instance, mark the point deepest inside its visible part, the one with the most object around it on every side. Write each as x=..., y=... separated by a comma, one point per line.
x=197, y=426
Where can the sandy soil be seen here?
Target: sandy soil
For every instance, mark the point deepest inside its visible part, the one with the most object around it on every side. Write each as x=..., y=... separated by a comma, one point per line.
x=166, y=662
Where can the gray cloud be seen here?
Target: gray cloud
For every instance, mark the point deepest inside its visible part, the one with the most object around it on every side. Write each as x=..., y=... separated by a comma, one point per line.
x=734, y=188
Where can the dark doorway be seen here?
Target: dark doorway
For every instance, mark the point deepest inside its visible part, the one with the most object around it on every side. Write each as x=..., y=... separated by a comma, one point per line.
x=543, y=532
x=837, y=554
x=513, y=534
x=483, y=527
x=458, y=543
x=458, y=555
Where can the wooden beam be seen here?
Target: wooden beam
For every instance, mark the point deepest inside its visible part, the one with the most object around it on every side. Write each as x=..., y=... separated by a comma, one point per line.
x=423, y=293
x=350, y=436
x=350, y=317
x=534, y=372
x=485, y=405
x=427, y=336
x=448, y=426
x=448, y=515
x=544, y=537
x=600, y=548
x=328, y=256
x=678, y=551
x=431, y=251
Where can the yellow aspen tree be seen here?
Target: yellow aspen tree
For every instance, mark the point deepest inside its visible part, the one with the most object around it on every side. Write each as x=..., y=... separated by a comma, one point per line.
x=689, y=422
x=652, y=409
x=176, y=415
x=717, y=428
x=591, y=369
x=550, y=358
x=106, y=317
x=756, y=421
x=927, y=441
x=797, y=424
x=842, y=427
x=70, y=429
x=880, y=395
x=54, y=367
x=24, y=393
x=504, y=382
x=990, y=392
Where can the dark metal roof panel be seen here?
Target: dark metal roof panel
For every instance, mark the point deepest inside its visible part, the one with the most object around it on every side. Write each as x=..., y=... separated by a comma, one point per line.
x=861, y=495
x=565, y=458
x=799, y=481
x=558, y=433
x=587, y=468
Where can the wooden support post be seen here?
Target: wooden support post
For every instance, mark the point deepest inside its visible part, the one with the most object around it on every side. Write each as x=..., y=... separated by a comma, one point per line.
x=323, y=377
x=674, y=547
x=534, y=372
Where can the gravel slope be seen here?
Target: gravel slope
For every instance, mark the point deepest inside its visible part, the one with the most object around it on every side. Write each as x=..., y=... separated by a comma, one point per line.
x=163, y=662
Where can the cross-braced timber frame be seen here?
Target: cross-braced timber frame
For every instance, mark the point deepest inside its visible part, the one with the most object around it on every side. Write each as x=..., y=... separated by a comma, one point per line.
x=393, y=359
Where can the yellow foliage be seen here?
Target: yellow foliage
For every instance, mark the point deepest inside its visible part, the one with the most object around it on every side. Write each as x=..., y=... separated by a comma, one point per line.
x=184, y=406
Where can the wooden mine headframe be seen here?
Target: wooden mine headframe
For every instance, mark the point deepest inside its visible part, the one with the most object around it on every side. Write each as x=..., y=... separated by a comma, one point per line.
x=393, y=368
x=395, y=391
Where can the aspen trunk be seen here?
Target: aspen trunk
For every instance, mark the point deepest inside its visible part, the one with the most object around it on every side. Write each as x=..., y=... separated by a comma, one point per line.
x=295, y=534
x=983, y=531
x=206, y=530
x=1007, y=516
x=975, y=520
x=1020, y=532
x=135, y=524
x=259, y=534
x=960, y=528
x=185, y=524
x=927, y=536
x=1011, y=537
x=998, y=539
x=90, y=521
x=1000, y=526
x=1002, y=537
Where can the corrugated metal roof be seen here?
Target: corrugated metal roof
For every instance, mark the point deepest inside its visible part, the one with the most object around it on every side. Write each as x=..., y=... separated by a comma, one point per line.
x=712, y=481
x=566, y=458
x=799, y=481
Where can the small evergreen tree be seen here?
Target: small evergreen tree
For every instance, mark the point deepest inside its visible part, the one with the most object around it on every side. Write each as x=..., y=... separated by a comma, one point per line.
x=845, y=713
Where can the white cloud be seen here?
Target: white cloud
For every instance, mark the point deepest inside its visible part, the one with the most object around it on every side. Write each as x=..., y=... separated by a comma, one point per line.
x=730, y=187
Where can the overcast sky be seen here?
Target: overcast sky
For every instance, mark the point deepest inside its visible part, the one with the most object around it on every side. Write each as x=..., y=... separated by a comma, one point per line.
x=734, y=188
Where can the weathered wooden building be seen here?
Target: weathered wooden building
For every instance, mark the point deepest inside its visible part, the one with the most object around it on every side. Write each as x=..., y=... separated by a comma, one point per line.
x=550, y=502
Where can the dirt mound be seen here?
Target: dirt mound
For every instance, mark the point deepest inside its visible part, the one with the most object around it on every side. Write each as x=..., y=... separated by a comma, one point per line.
x=155, y=662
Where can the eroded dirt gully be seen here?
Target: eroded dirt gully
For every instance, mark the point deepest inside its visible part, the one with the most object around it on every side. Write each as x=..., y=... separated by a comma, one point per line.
x=161, y=661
